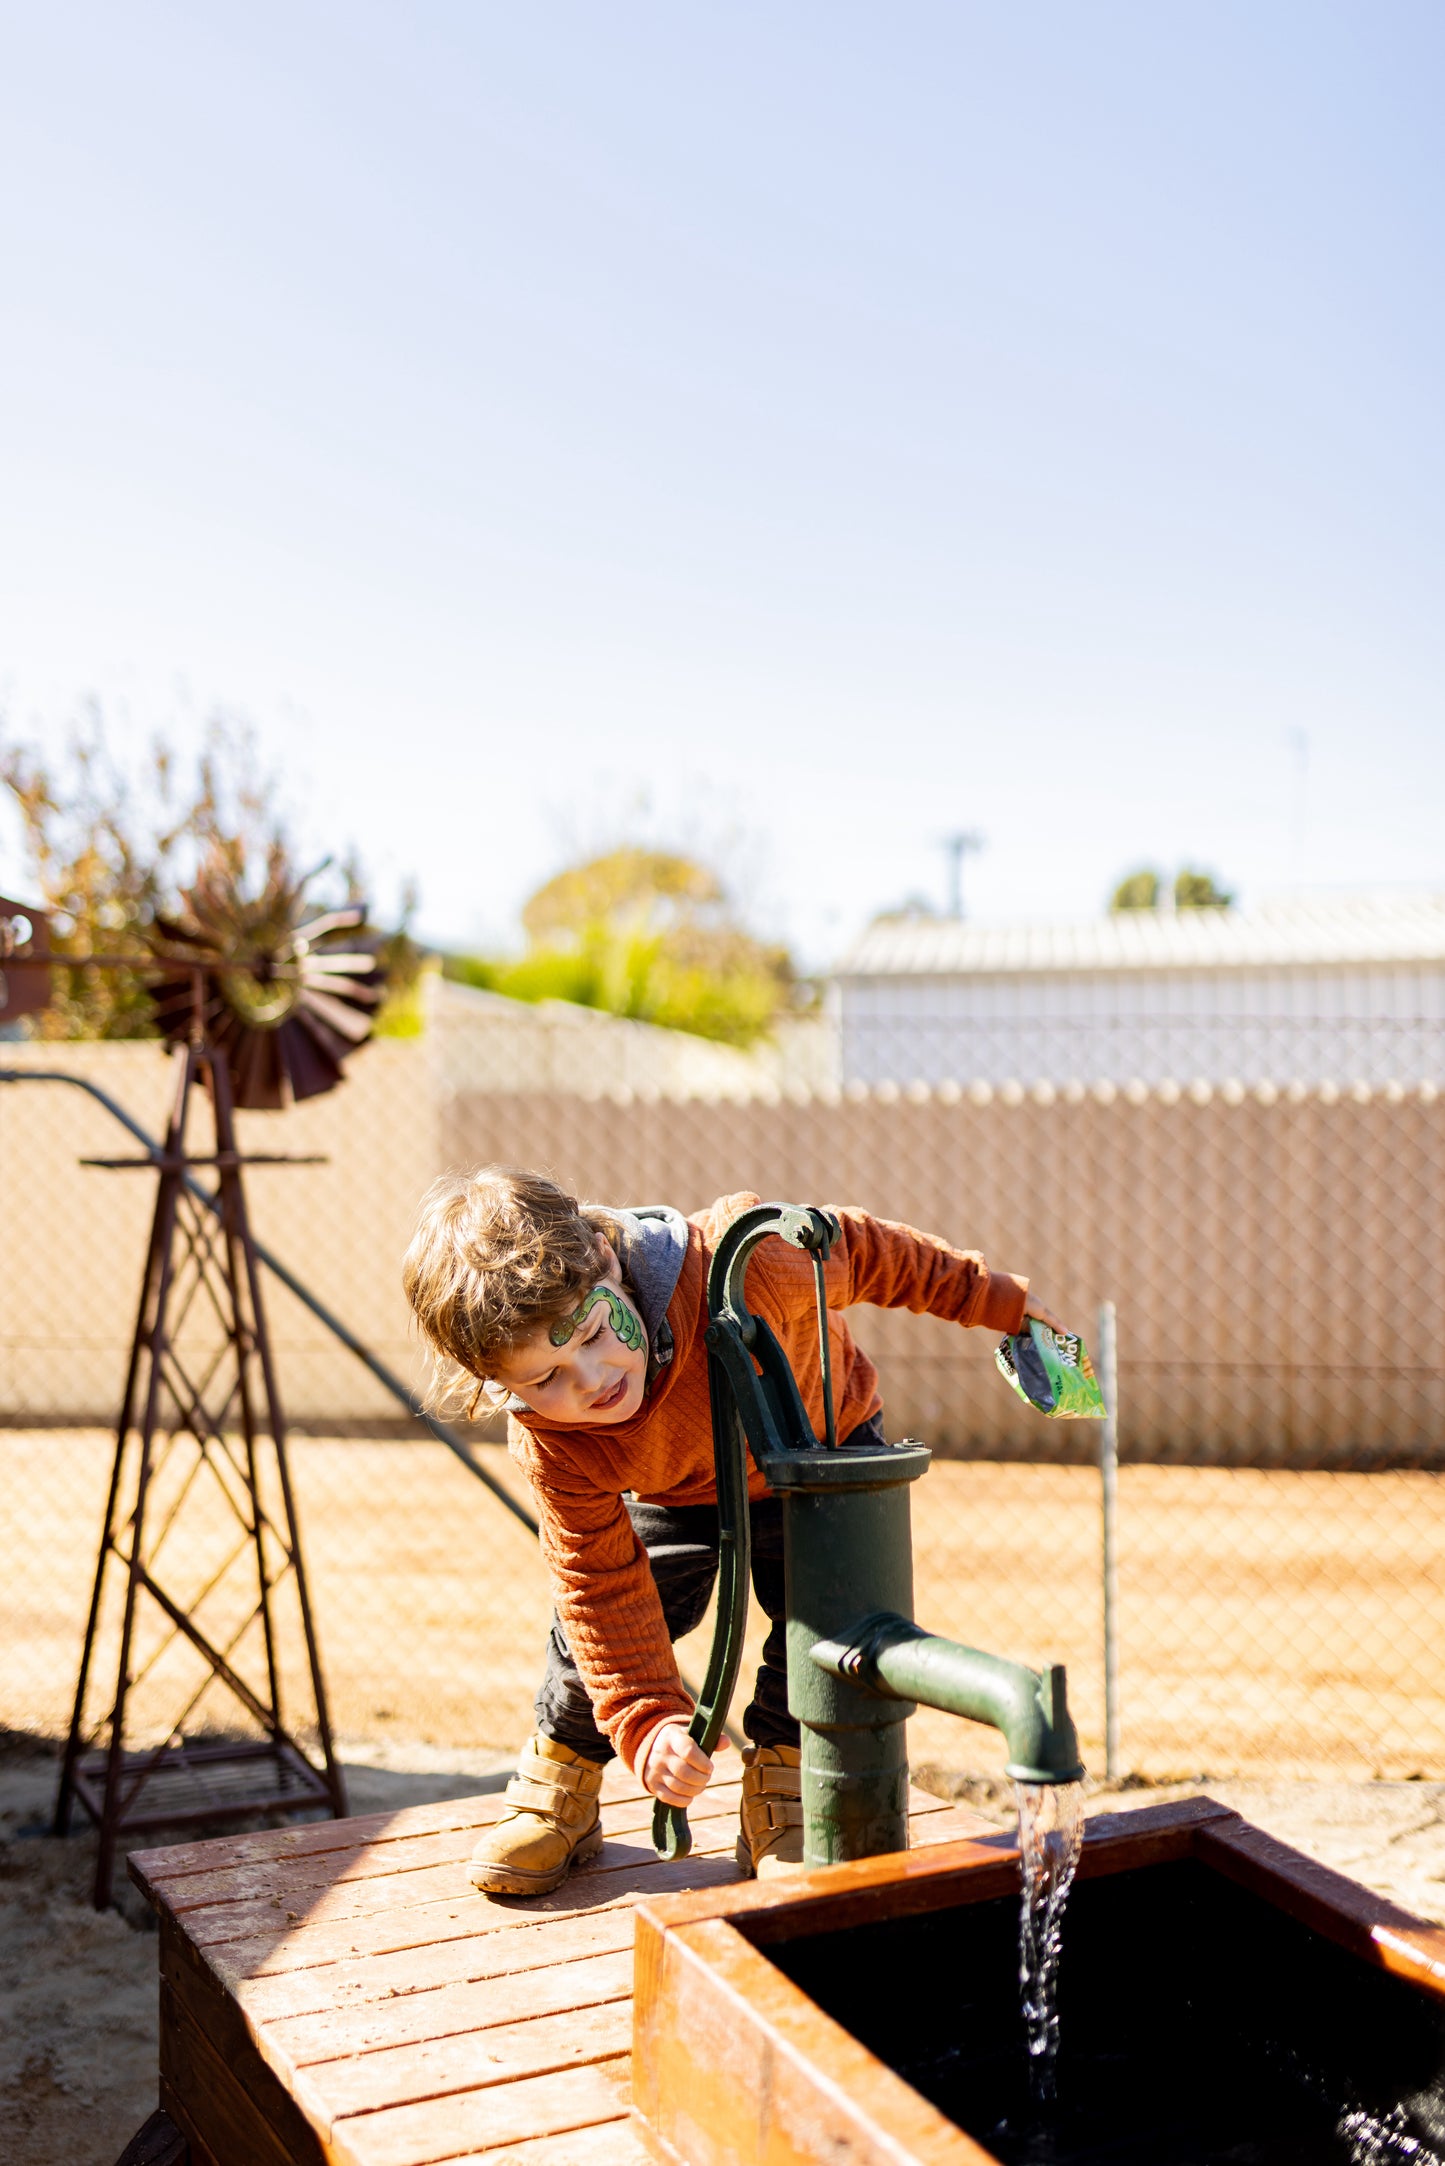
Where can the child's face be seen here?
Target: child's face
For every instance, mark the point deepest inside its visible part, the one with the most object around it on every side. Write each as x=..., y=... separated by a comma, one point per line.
x=599, y=1371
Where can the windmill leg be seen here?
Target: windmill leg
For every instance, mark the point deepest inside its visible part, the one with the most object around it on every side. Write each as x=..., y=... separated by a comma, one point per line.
x=75, y=1739
x=239, y=1219
x=165, y=1241
x=244, y=1335
x=74, y=1743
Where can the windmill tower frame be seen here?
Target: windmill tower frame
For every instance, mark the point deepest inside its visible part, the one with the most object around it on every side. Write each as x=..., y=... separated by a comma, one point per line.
x=223, y=1417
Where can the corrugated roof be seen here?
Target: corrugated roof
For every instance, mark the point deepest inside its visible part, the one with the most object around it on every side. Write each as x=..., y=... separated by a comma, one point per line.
x=1405, y=927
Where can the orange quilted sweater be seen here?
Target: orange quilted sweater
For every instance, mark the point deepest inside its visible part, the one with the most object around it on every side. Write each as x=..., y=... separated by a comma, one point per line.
x=601, y=1580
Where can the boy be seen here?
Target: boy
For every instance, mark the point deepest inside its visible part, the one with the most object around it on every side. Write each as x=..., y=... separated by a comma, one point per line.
x=587, y=1324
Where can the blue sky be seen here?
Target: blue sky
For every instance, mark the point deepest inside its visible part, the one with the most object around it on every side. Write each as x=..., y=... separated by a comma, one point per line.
x=794, y=431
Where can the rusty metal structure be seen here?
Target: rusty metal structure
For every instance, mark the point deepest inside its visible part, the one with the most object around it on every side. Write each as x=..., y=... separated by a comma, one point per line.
x=263, y=1007
x=24, y=983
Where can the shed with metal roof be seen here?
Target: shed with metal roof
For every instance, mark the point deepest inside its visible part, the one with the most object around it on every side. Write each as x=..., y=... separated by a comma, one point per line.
x=1309, y=989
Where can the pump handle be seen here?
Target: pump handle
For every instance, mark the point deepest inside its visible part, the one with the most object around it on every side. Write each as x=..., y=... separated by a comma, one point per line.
x=764, y=1411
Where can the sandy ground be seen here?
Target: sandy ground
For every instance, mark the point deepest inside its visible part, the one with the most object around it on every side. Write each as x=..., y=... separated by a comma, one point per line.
x=78, y=1987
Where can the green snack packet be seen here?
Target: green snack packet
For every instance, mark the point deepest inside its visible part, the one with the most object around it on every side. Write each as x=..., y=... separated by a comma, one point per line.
x=1052, y=1371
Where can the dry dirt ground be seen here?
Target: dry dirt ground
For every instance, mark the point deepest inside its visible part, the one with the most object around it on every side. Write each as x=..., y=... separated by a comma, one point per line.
x=78, y=1987
x=1270, y=1624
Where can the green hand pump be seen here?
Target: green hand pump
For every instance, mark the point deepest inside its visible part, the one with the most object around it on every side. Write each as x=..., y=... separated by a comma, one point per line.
x=858, y=1666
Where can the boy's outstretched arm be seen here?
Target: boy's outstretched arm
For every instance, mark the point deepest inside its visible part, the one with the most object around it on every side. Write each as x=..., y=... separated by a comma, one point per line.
x=893, y=1266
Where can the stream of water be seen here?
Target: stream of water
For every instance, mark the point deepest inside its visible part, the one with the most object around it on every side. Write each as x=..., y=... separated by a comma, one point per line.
x=1051, y=1835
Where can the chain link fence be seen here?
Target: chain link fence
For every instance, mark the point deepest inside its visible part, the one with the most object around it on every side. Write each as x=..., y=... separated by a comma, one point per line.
x=1276, y=1254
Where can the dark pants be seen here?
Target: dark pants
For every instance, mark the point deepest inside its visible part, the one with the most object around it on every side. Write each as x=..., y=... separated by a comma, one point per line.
x=681, y=1544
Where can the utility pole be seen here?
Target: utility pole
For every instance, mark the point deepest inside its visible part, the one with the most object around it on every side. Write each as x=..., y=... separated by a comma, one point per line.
x=955, y=849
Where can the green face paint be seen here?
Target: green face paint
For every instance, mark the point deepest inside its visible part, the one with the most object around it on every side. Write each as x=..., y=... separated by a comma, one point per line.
x=623, y=1322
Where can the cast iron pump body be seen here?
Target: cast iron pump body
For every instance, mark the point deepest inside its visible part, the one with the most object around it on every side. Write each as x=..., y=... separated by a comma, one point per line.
x=858, y=1666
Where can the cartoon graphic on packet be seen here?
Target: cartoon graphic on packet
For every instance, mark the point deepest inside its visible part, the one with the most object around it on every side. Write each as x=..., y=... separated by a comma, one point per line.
x=1053, y=1372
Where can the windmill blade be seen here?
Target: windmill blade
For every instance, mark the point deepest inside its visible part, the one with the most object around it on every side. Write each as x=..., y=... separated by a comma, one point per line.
x=334, y=921
x=354, y=966
x=311, y=1069
x=345, y=989
x=348, y=1022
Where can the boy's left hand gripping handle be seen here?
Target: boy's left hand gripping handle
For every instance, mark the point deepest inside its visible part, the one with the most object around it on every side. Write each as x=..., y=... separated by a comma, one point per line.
x=671, y=1835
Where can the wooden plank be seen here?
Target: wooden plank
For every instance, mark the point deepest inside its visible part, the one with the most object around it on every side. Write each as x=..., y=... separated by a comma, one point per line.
x=177, y=1860
x=291, y=1945
x=734, y=2063
x=478, y=2121
x=298, y=1915
x=929, y=1877
x=440, y=2067
x=1368, y=1925
x=159, y=1871
x=265, y=1879
x=326, y=1904
x=444, y=2011
x=241, y=2114
x=355, y=1985
x=456, y=1918
x=286, y=1873
x=956, y=1823
x=331, y=1992
x=399, y=2015
x=197, y=2153
x=283, y=1905
x=314, y=1838
x=611, y=2143
x=434, y=2041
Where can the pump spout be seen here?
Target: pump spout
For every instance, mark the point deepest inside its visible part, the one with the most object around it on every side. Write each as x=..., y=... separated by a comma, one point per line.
x=887, y=1655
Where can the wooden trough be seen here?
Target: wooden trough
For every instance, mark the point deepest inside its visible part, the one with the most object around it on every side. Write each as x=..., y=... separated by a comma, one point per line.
x=1222, y=1997
x=339, y=1992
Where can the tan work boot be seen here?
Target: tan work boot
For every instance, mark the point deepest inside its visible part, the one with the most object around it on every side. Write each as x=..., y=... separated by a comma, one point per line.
x=771, y=1837
x=552, y=1823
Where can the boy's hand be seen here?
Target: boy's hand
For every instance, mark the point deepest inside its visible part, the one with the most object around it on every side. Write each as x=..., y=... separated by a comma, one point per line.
x=672, y=1767
x=1034, y=1307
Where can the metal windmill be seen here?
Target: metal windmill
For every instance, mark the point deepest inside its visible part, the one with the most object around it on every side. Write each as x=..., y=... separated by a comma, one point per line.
x=200, y=1551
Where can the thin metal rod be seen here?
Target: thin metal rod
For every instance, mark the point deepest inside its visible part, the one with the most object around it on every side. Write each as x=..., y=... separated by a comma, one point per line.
x=825, y=1355
x=1109, y=1488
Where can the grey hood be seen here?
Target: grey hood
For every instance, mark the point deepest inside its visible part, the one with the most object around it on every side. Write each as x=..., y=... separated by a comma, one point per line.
x=651, y=1251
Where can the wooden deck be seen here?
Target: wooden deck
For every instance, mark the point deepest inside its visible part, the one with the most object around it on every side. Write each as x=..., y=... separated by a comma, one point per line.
x=339, y=1992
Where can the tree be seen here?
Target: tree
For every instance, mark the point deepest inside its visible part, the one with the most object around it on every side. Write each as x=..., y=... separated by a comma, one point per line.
x=1140, y=891
x=111, y=851
x=1198, y=891
x=647, y=934
x=1192, y=891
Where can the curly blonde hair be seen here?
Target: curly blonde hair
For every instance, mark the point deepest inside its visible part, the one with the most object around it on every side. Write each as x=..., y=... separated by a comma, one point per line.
x=498, y=1254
